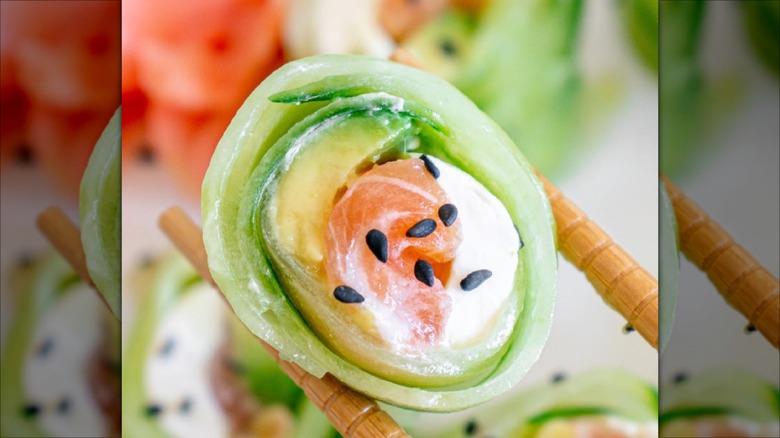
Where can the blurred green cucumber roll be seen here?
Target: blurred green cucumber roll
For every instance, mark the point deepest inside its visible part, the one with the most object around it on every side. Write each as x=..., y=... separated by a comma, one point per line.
x=60, y=358
x=720, y=403
x=192, y=369
x=100, y=201
x=596, y=403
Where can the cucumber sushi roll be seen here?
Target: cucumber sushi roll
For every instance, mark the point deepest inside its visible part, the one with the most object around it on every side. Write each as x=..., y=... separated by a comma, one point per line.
x=597, y=403
x=60, y=358
x=194, y=370
x=720, y=403
x=367, y=220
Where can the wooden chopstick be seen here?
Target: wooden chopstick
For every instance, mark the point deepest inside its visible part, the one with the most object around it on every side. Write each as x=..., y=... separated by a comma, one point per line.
x=742, y=281
x=616, y=276
x=351, y=413
x=65, y=237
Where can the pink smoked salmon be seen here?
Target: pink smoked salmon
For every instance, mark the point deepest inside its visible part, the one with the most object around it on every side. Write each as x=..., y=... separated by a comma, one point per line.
x=387, y=244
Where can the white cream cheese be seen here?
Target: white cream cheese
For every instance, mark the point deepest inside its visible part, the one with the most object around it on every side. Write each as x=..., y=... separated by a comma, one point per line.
x=178, y=367
x=57, y=364
x=490, y=241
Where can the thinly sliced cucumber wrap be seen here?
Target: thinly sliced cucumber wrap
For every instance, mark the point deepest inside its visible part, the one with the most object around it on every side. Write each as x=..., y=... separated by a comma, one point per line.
x=670, y=265
x=336, y=174
x=726, y=402
x=100, y=213
x=60, y=331
x=193, y=368
x=603, y=402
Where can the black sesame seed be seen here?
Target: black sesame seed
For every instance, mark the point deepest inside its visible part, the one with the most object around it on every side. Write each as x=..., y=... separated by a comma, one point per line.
x=473, y=280
x=167, y=347
x=448, y=48
x=430, y=166
x=424, y=228
x=377, y=243
x=750, y=328
x=628, y=328
x=185, y=406
x=558, y=377
x=346, y=294
x=63, y=406
x=423, y=271
x=471, y=427
x=30, y=410
x=45, y=348
x=680, y=377
x=448, y=213
x=153, y=410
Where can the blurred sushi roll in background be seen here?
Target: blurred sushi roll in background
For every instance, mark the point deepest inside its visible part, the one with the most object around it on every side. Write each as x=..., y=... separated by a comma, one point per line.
x=60, y=355
x=720, y=403
x=187, y=66
x=192, y=369
x=59, y=82
x=604, y=403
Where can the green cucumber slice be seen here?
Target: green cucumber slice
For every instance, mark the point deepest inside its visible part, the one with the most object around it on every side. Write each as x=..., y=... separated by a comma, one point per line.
x=100, y=212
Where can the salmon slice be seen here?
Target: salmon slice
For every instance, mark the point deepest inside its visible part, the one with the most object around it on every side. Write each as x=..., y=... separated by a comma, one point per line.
x=392, y=199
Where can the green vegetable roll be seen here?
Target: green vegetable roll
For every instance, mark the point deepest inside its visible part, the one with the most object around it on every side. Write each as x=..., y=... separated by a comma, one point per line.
x=367, y=220
x=60, y=359
x=726, y=402
x=596, y=403
x=194, y=369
